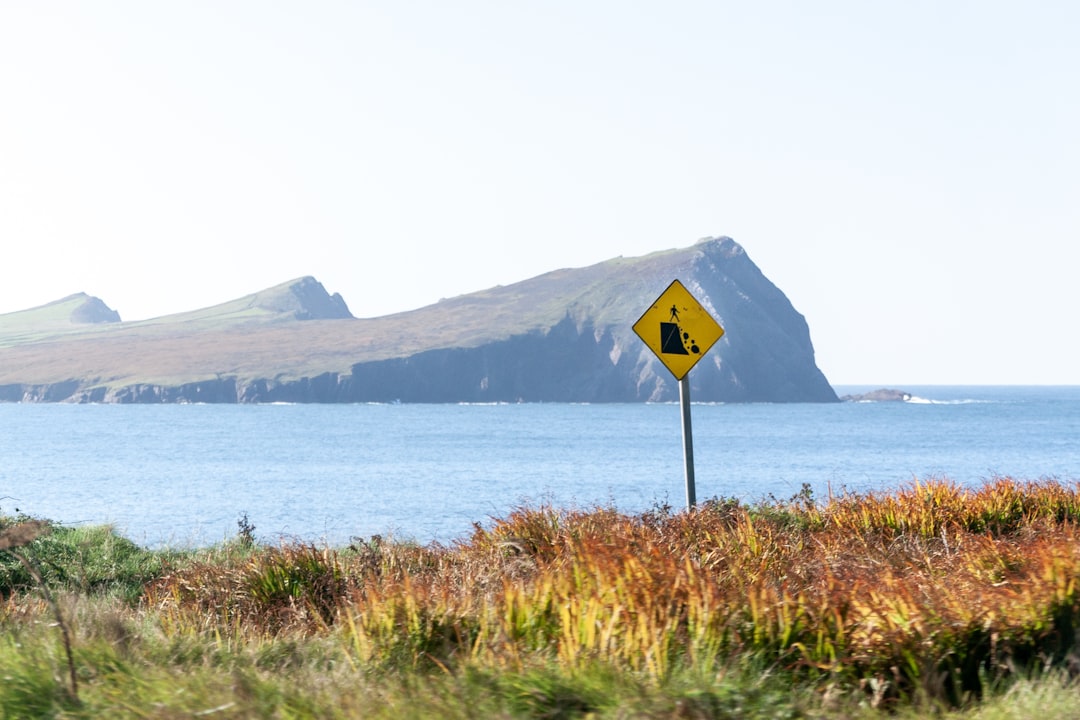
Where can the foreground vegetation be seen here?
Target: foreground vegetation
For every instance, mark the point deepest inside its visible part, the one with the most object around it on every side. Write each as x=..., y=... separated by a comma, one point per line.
x=934, y=599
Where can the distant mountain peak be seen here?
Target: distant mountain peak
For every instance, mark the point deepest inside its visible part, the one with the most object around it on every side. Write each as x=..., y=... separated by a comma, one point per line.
x=92, y=310
x=77, y=309
x=304, y=298
x=722, y=246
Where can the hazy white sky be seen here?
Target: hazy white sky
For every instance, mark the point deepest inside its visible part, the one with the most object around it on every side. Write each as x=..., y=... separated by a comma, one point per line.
x=907, y=173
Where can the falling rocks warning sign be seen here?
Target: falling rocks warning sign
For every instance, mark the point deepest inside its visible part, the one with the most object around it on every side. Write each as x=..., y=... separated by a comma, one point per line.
x=678, y=329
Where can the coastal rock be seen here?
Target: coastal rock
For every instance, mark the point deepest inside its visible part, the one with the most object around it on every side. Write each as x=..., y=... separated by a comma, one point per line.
x=880, y=395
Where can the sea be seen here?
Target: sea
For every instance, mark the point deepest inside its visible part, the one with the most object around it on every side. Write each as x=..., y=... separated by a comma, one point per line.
x=187, y=476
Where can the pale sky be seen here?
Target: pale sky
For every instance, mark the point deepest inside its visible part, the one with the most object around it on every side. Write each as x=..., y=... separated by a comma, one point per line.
x=908, y=173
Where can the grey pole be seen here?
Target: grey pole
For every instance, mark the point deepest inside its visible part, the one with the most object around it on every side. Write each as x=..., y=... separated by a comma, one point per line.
x=688, y=441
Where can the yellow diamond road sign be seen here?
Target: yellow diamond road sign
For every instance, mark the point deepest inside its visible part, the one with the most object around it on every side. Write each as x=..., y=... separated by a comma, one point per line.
x=678, y=329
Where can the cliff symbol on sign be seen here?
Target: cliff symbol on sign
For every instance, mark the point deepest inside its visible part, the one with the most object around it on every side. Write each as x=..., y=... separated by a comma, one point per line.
x=672, y=339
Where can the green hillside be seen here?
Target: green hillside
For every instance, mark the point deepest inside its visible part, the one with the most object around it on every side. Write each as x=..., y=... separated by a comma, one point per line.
x=72, y=315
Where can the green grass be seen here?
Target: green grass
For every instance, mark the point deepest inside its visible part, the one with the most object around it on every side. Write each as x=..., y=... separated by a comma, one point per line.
x=46, y=323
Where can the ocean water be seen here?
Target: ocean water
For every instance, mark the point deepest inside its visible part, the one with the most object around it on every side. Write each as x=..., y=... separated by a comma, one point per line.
x=183, y=475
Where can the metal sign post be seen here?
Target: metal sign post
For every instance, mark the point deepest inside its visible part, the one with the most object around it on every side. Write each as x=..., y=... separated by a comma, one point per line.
x=687, y=442
x=680, y=332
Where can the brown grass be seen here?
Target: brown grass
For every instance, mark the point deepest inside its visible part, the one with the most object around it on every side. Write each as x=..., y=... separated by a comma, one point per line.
x=934, y=589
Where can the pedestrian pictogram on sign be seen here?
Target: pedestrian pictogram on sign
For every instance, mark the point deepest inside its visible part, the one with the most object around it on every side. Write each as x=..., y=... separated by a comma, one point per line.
x=678, y=329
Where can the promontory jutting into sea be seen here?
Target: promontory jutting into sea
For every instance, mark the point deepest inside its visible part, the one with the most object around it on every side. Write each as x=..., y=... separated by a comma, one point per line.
x=283, y=408
x=564, y=336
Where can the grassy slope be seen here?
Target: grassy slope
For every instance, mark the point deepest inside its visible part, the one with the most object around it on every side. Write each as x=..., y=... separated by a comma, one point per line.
x=243, y=338
x=45, y=323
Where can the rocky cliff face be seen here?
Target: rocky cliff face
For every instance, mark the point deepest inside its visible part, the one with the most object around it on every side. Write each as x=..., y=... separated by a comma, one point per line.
x=561, y=337
x=302, y=299
x=93, y=310
x=765, y=355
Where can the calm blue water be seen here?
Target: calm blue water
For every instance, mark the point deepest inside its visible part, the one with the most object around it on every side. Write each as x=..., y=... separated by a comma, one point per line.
x=182, y=475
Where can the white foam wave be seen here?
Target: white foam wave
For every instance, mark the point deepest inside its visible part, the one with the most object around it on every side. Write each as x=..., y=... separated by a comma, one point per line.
x=916, y=400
